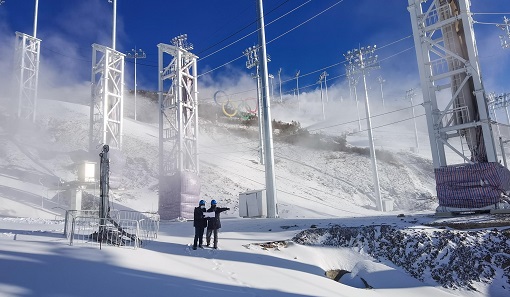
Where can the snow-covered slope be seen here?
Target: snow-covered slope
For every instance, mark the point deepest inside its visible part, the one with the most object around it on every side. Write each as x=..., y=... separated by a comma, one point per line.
x=317, y=187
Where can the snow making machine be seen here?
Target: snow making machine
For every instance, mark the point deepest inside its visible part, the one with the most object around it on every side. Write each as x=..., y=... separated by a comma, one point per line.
x=469, y=177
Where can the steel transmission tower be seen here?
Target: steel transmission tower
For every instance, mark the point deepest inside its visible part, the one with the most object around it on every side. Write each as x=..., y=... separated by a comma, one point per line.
x=27, y=70
x=505, y=38
x=136, y=54
x=448, y=58
x=362, y=61
x=179, y=186
x=107, y=95
x=27, y=74
x=107, y=104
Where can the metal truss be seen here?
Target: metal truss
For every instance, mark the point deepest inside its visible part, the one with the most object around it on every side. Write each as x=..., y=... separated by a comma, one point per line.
x=107, y=100
x=499, y=101
x=448, y=59
x=27, y=74
x=178, y=121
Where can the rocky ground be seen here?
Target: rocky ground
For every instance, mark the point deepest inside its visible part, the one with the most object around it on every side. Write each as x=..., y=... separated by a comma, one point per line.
x=454, y=259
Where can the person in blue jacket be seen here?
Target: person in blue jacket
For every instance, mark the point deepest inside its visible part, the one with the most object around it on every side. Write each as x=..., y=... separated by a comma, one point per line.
x=199, y=222
x=214, y=223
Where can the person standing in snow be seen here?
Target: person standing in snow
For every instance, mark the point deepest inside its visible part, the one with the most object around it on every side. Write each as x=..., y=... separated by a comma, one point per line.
x=214, y=223
x=199, y=222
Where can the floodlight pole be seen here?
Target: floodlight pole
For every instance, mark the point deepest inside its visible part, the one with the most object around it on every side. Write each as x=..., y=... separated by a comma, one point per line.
x=322, y=77
x=272, y=209
x=134, y=54
x=325, y=74
x=272, y=85
x=297, y=89
x=280, y=79
x=381, y=82
x=505, y=38
x=362, y=60
x=410, y=94
x=354, y=83
x=252, y=54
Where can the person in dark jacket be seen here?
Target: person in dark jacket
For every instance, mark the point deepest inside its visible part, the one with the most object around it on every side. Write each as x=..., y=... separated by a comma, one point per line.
x=214, y=223
x=199, y=222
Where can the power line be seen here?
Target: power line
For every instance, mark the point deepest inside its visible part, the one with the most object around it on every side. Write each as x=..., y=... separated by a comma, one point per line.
x=276, y=38
x=484, y=23
x=294, y=28
x=253, y=32
x=240, y=30
x=499, y=13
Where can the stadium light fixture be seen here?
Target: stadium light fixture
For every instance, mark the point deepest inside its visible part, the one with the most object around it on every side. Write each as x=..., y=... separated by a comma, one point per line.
x=361, y=61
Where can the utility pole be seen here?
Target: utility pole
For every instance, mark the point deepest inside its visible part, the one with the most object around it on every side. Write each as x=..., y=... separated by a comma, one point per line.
x=280, y=79
x=272, y=208
x=361, y=61
x=252, y=54
x=325, y=75
x=272, y=85
x=381, y=82
x=321, y=78
x=134, y=54
x=505, y=38
x=353, y=78
x=297, y=89
x=410, y=94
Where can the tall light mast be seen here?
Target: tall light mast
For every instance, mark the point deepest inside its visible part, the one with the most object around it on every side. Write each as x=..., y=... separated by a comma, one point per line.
x=136, y=54
x=361, y=61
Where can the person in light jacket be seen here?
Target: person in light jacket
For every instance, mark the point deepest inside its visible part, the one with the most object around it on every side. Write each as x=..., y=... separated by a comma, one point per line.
x=214, y=223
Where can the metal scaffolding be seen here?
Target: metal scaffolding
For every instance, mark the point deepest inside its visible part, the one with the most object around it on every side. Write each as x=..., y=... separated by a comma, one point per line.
x=107, y=98
x=27, y=74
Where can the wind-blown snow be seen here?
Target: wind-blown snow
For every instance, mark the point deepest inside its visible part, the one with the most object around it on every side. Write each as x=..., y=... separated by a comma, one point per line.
x=257, y=257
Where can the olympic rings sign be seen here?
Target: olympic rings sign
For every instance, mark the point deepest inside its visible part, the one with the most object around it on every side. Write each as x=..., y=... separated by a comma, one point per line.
x=231, y=108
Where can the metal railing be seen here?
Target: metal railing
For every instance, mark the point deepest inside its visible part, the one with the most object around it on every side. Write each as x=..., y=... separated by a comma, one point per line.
x=121, y=228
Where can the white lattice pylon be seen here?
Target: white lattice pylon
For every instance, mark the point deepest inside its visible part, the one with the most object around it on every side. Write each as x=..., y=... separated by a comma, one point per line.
x=27, y=74
x=178, y=120
x=448, y=59
x=107, y=100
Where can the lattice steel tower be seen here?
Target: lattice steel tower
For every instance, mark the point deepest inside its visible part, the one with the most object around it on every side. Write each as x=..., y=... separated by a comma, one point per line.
x=448, y=59
x=107, y=100
x=27, y=74
x=179, y=186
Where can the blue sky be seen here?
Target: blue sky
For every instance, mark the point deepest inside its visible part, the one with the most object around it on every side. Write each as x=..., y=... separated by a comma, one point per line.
x=68, y=28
